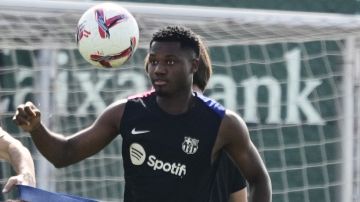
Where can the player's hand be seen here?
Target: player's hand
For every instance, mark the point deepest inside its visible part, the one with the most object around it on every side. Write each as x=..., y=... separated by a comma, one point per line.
x=23, y=179
x=27, y=116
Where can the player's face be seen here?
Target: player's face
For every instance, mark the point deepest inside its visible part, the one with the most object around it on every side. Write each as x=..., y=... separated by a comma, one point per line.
x=171, y=68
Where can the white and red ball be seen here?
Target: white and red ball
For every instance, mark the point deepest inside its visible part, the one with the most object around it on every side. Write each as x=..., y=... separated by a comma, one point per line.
x=107, y=35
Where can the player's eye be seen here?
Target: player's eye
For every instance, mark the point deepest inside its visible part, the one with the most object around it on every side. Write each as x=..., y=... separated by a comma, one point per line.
x=153, y=62
x=170, y=62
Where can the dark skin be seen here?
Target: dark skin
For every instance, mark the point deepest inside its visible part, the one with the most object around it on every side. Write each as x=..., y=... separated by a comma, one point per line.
x=170, y=70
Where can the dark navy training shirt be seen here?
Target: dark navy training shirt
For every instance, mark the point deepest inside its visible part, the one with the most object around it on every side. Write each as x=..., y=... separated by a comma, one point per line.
x=167, y=158
x=228, y=180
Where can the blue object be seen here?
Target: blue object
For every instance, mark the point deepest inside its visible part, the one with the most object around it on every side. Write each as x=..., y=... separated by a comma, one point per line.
x=32, y=194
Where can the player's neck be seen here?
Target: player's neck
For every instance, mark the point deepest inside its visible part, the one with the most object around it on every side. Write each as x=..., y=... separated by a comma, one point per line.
x=176, y=104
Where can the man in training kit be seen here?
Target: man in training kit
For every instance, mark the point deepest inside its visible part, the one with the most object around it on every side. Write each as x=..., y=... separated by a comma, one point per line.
x=172, y=137
x=13, y=151
x=229, y=185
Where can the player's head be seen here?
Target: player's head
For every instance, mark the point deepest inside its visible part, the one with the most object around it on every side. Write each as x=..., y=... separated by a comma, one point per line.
x=202, y=75
x=186, y=37
x=173, y=59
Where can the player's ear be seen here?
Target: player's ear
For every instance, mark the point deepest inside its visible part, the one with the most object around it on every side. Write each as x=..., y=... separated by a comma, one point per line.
x=195, y=65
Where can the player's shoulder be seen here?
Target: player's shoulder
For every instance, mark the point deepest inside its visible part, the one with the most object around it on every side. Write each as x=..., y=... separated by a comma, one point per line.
x=211, y=104
x=112, y=114
x=141, y=100
x=231, y=117
x=142, y=95
x=118, y=104
x=115, y=109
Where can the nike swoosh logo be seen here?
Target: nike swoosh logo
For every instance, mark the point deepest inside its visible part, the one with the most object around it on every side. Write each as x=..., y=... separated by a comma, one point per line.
x=136, y=132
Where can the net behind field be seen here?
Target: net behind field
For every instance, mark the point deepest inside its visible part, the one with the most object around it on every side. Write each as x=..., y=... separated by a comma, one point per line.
x=286, y=80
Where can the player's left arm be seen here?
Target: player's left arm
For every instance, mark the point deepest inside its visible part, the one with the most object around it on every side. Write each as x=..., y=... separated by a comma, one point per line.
x=239, y=196
x=13, y=151
x=234, y=137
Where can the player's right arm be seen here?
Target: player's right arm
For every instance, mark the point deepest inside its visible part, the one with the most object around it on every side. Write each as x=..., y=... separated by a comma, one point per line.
x=65, y=150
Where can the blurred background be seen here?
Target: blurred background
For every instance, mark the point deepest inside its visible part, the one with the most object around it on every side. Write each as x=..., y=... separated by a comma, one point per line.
x=291, y=69
x=334, y=6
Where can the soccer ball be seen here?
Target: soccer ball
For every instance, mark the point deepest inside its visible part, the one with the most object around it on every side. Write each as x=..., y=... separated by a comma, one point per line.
x=107, y=35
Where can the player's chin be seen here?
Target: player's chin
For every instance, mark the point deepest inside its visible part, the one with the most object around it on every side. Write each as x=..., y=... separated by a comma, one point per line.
x=161, y=91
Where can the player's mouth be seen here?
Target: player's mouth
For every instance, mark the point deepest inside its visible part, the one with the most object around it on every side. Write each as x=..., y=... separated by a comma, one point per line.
x=159, y=82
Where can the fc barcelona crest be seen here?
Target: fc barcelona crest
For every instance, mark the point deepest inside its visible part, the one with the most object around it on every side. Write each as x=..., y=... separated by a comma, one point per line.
x=190, y=145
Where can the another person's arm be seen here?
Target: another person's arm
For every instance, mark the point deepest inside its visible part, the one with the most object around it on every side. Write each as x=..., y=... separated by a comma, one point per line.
x=13, y=151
